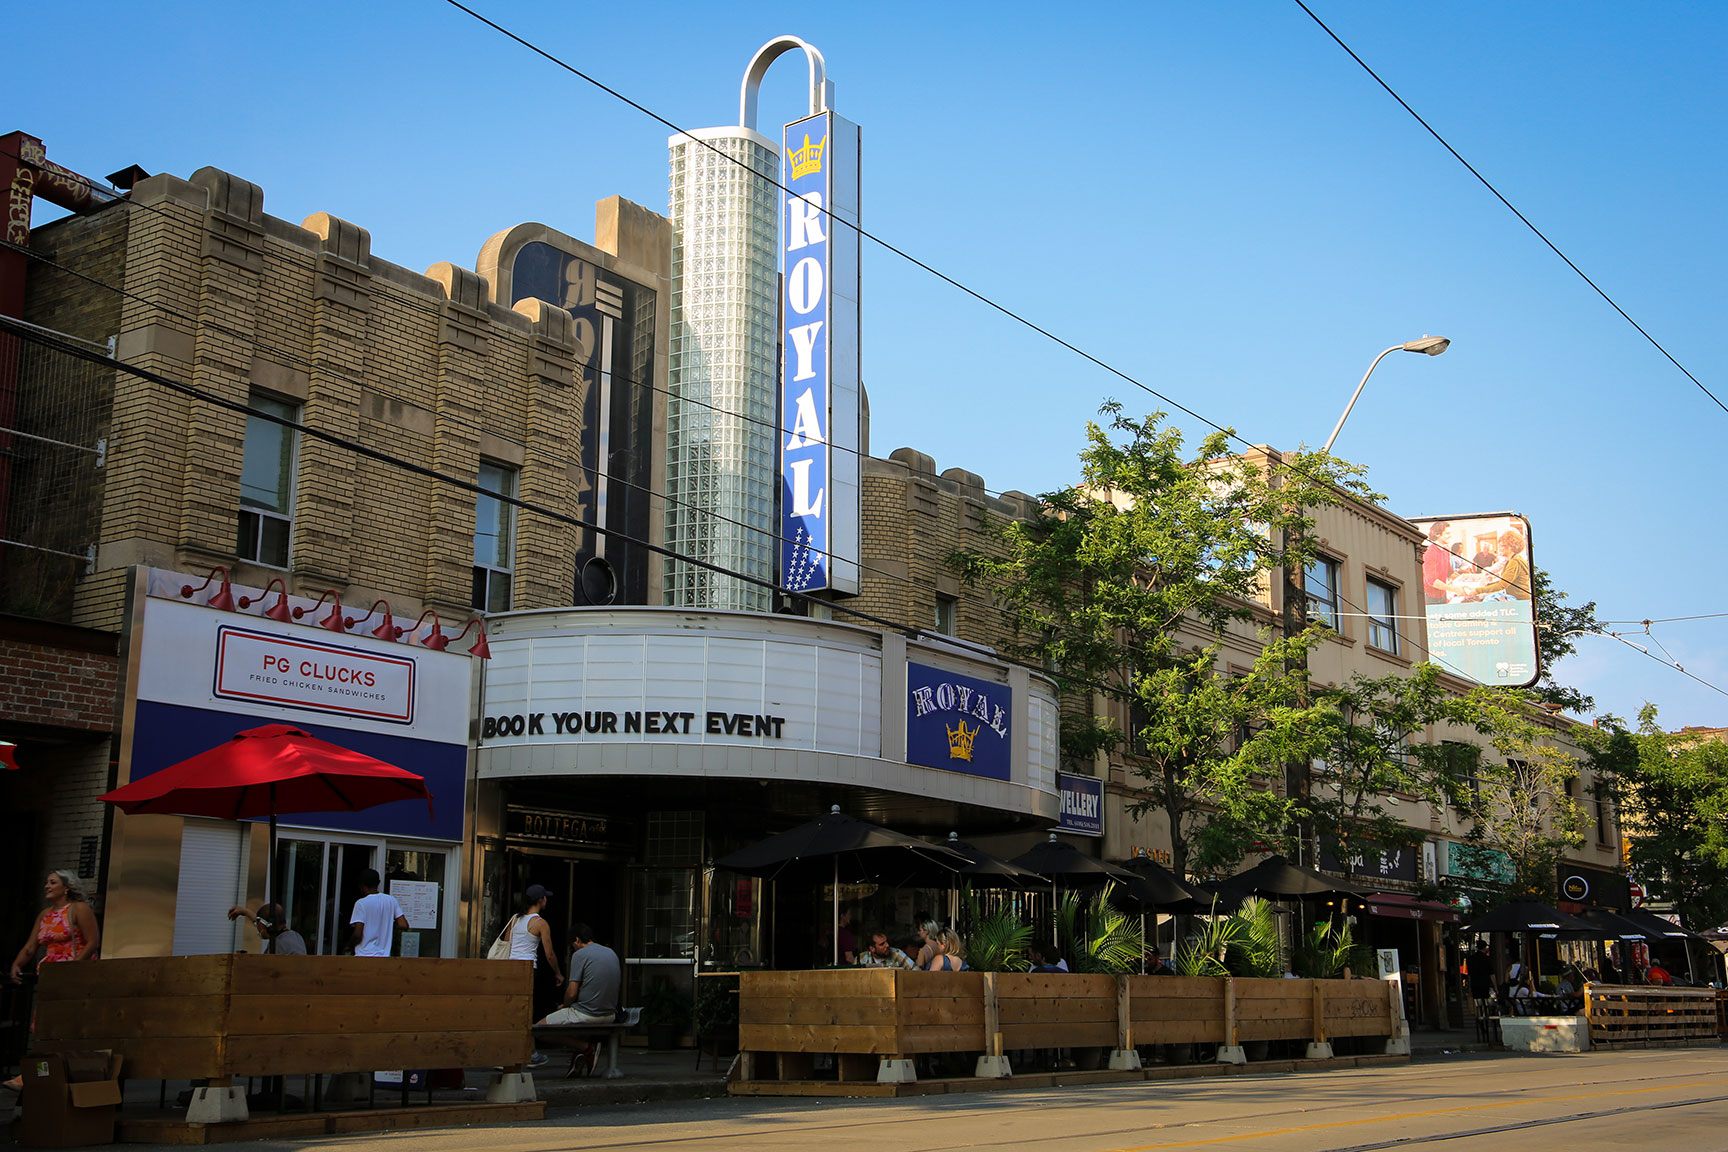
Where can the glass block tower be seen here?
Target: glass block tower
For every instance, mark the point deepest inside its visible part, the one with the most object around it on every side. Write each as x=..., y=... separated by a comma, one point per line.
x=723, y=372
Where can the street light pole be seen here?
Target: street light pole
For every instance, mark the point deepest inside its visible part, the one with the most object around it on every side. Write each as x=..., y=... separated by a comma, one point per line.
x=1429, y=345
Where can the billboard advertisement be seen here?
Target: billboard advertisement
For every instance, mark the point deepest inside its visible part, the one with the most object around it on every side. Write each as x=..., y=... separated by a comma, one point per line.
x=819, y=395
x=1478, y=586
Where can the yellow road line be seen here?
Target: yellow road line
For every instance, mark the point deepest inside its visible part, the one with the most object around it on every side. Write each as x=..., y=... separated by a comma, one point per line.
x=1264, y=1134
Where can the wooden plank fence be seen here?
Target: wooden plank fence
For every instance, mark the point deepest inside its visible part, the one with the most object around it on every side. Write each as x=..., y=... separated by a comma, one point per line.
x=1642, y=1016
x=861, y=1016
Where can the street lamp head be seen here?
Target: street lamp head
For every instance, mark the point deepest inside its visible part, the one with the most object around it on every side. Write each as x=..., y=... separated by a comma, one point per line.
x=1433, y=345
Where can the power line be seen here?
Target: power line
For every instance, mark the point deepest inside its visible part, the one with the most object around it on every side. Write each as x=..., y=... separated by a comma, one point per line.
x=1483, y=180
x=1668, y=663
x=1230, y=433
x=864, y=233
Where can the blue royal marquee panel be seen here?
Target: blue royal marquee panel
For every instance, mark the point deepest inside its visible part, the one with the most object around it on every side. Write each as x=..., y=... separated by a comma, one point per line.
x=957, y=723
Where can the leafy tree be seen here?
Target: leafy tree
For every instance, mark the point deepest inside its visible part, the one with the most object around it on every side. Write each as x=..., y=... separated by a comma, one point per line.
x=1672, y=791
x=1554, y=621
x=1367, y=740
x=1522, y=803
x=1102, y=583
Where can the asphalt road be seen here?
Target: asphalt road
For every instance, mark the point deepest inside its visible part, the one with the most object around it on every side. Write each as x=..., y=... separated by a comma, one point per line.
x=1598, y=1101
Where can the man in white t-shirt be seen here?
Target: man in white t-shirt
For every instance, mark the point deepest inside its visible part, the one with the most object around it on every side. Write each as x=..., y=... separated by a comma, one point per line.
x=376, y=917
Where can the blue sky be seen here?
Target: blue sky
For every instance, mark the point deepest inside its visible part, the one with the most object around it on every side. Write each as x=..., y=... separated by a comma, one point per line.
x=1212, y=198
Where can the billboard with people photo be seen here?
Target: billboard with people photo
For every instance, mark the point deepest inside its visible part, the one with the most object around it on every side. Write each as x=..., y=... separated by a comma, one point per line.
x=1478, y=584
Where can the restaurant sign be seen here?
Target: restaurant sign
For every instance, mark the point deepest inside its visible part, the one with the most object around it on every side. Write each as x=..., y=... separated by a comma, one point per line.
x=1370, y=862
x=565, y=829
x=1477, y=866
x=1582, y=884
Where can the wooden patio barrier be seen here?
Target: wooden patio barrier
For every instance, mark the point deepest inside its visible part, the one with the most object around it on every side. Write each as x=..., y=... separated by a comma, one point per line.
x=223, y=1017
x=864, y=1016
x=1626, y=1016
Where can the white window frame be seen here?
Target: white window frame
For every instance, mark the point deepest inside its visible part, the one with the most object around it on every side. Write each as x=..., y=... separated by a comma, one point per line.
x=1382, y=623
x=1323, y=611
x=251, y=549
x=506, y=528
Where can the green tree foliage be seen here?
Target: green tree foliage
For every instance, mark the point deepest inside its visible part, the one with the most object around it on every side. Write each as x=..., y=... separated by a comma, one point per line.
x=1672, y=791
x=1366, y=740
x=1556, y=626
x=1521, y=801
x=1151, y=541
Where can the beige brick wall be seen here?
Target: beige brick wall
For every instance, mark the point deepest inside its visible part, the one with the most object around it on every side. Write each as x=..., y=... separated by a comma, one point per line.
x=428, y=367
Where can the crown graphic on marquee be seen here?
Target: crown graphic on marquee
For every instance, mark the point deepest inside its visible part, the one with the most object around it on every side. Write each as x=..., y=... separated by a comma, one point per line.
x=807, y=161
x=960, y=742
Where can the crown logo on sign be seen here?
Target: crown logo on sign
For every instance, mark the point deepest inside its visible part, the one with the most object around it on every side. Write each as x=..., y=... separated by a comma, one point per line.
x=960, y=742
x=807, y=161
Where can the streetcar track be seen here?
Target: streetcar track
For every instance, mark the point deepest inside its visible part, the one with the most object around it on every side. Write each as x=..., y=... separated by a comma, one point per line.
x=1434, y=1082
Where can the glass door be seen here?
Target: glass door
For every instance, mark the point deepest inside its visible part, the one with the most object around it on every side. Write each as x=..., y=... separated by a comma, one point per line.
x=320, y=882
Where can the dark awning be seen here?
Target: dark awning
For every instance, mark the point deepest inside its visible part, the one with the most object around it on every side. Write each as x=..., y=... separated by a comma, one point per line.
x=1399, y=906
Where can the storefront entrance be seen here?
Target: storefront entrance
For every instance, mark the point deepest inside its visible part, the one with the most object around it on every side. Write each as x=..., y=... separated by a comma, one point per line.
x=320, y=880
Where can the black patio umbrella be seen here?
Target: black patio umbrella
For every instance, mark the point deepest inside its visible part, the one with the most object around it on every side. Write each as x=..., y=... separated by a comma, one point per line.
x=1161, y=887
x=1528, y=916
x=1066, y=866
x=1057, y=860
x=1216, y=898
x=1613, y=927
x=987, y=870
x=838, y=846
x=1278, y=878
x=1655, y=926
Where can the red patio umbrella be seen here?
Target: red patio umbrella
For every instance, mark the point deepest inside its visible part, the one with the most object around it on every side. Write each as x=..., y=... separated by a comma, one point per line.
x=269, y=770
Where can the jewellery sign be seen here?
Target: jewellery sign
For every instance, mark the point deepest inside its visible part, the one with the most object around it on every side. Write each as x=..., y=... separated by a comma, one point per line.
x=957, y=722
x=819, y=390
x=1082, y=804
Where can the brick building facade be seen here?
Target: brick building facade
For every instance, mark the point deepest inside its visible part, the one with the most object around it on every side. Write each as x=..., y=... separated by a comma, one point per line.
x=192, y=281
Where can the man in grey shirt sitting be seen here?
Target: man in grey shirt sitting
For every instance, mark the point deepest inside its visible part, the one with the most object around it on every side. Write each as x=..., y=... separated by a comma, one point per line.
x=591, y=996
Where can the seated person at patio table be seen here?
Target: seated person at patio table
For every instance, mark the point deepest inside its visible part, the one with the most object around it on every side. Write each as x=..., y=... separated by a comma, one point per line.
x=1045, y=958
x=1521, y=992
x=882, y=954
x=1156, y=965
x=928, y=930
x=950, y=953
x=591, y=996
x=272, y=924
x=1656, y=974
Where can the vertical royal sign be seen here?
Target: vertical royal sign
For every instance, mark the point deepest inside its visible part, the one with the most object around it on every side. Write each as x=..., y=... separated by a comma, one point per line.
x=819, y=382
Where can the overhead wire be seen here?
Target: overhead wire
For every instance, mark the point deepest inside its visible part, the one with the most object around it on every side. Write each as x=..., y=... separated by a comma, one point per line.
x=431, y=310
x=1525, y=220
x=864, y=233
x=886, y=245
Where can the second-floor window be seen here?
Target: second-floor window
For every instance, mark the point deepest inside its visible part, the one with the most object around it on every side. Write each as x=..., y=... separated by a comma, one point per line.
x=1320, y=583
x=267, y=484
x=945, y=610
x=494, y=538
x=1382, y=617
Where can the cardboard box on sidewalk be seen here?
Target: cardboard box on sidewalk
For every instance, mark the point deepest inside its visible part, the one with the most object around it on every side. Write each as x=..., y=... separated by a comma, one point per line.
x=69, y=1099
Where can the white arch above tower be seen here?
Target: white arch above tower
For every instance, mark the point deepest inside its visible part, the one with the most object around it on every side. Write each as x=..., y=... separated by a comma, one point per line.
x=821, y=88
